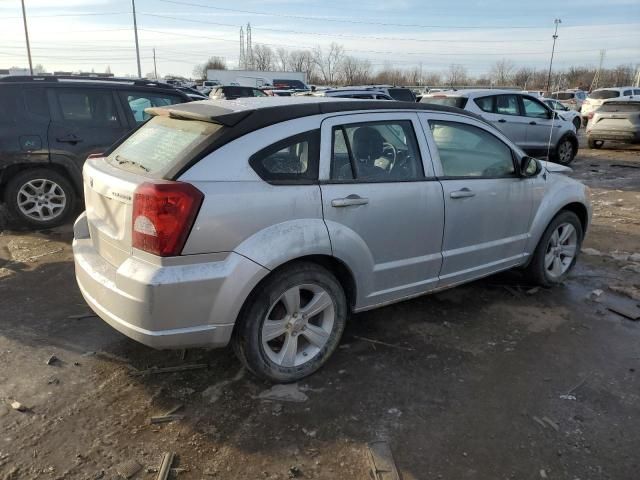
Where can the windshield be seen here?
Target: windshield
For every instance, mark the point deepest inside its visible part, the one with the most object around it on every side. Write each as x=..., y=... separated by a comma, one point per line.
x=602, y=94
x=563, y=95
x=161, y=143
x=459, y=102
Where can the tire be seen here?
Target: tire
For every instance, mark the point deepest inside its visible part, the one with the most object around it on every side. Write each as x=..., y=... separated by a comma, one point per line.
x=270, y=359
x=36, y=184
x=595, y=143
x=565, y=151
x=538, y=270
x=577, y=123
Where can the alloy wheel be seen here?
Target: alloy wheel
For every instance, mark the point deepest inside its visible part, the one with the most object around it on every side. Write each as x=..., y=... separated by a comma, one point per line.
x=565, y=151
x=561, y=250
x=41, y=199
x=298, y=325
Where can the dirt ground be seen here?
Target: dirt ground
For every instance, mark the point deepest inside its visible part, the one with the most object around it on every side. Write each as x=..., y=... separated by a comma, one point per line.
x=492, y=380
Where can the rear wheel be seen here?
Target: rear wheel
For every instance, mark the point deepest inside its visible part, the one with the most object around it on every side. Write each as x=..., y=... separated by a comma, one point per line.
x=291, y=323
x=595, y=143
x=557, y=251
x=40, y=198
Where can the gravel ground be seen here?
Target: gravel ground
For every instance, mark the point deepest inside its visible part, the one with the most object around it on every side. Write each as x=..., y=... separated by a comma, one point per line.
x=492, y=380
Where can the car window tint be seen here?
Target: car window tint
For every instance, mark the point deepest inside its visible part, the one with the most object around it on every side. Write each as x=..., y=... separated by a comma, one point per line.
x=469, y=151
x=603, y=94
x=139, y=101
x=533, y=108
x=507, y=105
x=293, y=160
x=636, y=92
x=627, y=92
x=92, y=106
x=484, y=103
x=402, y=94
x=384, y=151
x=35, y=101
x=8, y=108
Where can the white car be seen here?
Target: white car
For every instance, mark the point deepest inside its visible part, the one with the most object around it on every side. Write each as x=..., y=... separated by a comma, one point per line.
x=568, y=114
x=598, y=96
x=572, y=98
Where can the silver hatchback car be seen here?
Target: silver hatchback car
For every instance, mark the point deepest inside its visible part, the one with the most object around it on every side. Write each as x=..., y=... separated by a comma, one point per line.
x=266, y=222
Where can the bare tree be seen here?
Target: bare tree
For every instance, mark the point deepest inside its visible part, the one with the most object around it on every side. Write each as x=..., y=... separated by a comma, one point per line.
x=263, y=57
x=500, y=72
x=328, y=62
x=283, y=58
x=214, y=63
x=432, y=79
x=355, y=71
x=457, y=75
x=523, y=77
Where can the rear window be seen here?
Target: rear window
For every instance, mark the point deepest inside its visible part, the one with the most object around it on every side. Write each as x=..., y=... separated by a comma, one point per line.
x=620, y=107
x=563, y=95
x=402, y=94
x=459, y=102
x=602, y=94
x=160, y=144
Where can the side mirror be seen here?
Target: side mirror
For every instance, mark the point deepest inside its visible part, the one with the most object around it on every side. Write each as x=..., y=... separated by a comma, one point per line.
x=529, y=167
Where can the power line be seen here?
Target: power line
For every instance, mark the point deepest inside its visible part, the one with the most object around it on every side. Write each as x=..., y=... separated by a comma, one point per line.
x=362, y=22
x=88, y=14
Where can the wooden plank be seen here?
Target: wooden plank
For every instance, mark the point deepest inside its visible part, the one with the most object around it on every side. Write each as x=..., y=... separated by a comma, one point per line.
x=381, y=461
x=165, y=468
x=623, y=306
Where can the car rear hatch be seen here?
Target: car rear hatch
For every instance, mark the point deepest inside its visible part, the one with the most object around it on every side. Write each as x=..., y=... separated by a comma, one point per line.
x=446, y=100
x=143, y=159
x=597, y=98
x=617, y=116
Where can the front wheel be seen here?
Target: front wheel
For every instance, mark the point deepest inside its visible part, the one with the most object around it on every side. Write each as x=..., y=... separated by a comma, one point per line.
x=40, y=198
x=557, y=251
x=564, y=152
x=291, y=323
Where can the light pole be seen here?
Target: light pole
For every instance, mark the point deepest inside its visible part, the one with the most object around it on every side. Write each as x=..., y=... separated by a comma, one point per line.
x=26, y=34
x=557, y=22
x=135, y=30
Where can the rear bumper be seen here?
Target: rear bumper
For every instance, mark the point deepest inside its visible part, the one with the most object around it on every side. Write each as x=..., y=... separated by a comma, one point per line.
x=626, y=136
x=166, y=306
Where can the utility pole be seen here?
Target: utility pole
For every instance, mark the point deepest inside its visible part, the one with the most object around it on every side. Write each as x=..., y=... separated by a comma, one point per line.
x=135, y=30
x=155, y=69
x=596, y=77
x=26, y=34
x=557, y=22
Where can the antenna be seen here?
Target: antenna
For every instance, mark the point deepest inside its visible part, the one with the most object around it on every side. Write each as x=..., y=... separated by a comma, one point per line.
x=557, y=22
x=596, y=77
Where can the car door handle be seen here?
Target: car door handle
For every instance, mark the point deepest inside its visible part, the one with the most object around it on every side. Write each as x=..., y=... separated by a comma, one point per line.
x=349, y=201
x=532, y=123
x=463, y=193
x=502, y=120
x=71, y=138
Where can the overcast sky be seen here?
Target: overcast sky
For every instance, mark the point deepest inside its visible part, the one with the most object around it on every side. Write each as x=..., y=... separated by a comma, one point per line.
x=86, y=34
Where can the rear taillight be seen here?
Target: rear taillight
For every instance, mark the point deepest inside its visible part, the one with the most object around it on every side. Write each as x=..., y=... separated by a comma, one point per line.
x=590, y=114
x=163, y=214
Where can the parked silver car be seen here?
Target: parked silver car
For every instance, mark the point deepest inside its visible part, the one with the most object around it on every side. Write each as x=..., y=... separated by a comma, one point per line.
x=528, y=122
x=615, y=120
x=266, y=222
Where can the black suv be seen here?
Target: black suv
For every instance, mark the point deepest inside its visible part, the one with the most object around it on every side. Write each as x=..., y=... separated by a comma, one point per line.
x=50, y=125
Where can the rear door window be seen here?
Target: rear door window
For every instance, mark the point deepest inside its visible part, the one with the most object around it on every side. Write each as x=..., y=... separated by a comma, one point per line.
x=139, y=101
x=507, y=105
x=90, y=107
x=160, y=144
x=385, y=151
x=290, y=161
x=627, y=92
x=35, y=101
x=459, y=102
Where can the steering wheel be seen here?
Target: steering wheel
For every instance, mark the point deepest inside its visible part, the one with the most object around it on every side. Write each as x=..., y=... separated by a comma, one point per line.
x=388, y=150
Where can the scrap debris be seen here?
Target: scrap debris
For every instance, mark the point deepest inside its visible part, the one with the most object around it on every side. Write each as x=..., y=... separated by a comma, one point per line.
x=128, y=469
x=381, y=461
x=52, y=359
x=178, y=368
x=169, y=416
x=19, y=407
x=379, y=342
x=165, y=467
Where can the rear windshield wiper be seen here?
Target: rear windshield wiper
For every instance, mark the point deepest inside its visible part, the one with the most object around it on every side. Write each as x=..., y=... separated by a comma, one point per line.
x=122, y=161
